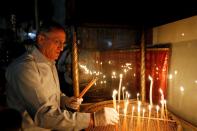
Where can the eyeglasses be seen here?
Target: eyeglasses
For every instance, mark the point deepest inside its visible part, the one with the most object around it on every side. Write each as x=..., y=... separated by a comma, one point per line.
x=59, y=43
x=56, y=41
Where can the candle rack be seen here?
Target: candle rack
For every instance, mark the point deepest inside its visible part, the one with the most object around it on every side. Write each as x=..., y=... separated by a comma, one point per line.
x=135, y=121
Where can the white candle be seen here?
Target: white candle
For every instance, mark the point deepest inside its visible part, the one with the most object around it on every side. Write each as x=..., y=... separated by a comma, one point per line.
x=138, y=108
x=128, y=96
x=138, y=95
x=119, y=89
x=149, y=108
x=151, y=88
x=162, y=95
x=118, y=108
x=157, y=108
x=123, y=88
x=144, y=110
x=126, y=106
x=166, y=110
x=149, y=115
x=114, y=98
x=158, y=127
x=162, y=103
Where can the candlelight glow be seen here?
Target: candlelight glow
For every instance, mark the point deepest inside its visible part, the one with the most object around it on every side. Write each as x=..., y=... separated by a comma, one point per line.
x=175, y=72
x=138, y=95
x=149, y=107
x=114, y=98
x=182, y=89
x=123, y=88
x=144, y=110
x=170, y=76
x=139, y=105
x=157, y=108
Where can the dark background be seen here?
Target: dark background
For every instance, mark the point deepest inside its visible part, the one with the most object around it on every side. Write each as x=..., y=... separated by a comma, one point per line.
x=135, y=13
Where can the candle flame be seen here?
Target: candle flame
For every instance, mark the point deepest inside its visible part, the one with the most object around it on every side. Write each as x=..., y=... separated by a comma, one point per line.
x=123, y=88
x=128, y=95
x=150, y=78
x=161, y=91
x=157, y=108
x=121, y=75
x=149, y=107
x=114, y=93
x=133, y=108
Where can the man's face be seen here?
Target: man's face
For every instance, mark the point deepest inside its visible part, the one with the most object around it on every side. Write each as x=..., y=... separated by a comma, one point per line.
x=51, y=44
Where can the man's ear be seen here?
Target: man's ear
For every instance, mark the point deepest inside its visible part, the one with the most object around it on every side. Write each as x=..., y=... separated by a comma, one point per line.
x=40, y=38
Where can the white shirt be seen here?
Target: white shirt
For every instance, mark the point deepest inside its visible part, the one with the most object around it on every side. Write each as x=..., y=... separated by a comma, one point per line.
x=33, y=89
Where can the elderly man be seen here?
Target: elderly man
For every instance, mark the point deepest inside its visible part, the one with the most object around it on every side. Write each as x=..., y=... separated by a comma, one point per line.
x=33, y=88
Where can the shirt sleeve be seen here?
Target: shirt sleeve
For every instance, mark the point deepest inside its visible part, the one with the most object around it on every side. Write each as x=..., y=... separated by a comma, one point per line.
x=45, y=111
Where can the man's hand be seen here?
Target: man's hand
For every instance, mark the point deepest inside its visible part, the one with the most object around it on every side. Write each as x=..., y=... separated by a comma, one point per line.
x=73, y=102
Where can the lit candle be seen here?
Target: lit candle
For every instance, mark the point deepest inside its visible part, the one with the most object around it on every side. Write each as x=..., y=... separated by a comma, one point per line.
x=143, y=117
x=138, y=116
x=149, y=115
x=151, y=88
x=128, y=96
x=119, y=89
x=124, y=125
x=126, y=106
x=157, y=108
x=144, y=110
x=123, y=88
x=138, y=95
x=126, y=103
x=131, y=123
x=166, y=111
x=162, y=103
x=149, y=108
x=138, y=108
x=118, y=109
x=114, y=98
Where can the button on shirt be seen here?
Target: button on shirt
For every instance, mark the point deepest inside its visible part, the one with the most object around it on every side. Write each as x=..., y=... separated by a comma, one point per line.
x=33, y=89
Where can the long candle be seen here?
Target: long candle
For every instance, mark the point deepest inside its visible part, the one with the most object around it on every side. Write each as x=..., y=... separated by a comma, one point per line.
x=138, y=116
x=151, y=88
x=131, y=122
x=149, y=115
x=123, y=88
x=166, y=114
x=124, y=125
x=126, y=97
x=157, y=108
x=138, y=95
x=114, y=98
x=166, y=110
x=162, y=103
x=143, y=112
x=87, y=87
x=119, y=89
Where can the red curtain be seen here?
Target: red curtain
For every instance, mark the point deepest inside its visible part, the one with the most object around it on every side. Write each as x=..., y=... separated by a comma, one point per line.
x=157, y=61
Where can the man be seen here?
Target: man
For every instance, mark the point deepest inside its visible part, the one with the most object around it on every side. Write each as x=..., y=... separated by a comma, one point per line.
x=33, y=88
